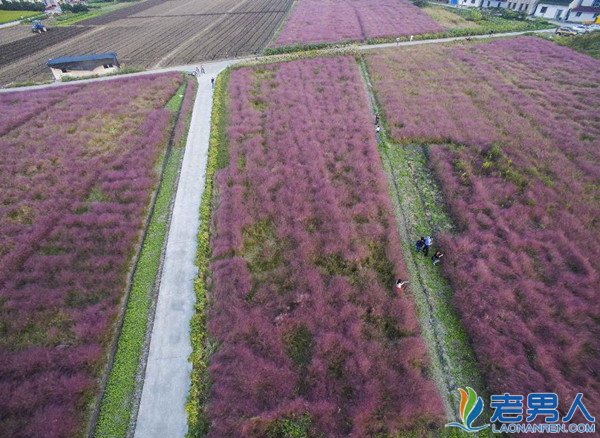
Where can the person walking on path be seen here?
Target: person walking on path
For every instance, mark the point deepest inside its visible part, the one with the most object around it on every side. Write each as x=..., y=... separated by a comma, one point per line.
x=437, y=257
x=427, y=245
x=420, y=244
x=202, y=69
x=212, y=82
x=400, y=284
x=196, y=72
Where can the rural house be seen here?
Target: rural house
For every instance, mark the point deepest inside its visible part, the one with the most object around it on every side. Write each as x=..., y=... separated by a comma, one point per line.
x=585, y=11
x=553, y=9
x=579, y=11
x=82, y=66
x=483, y=3
x=525, y=6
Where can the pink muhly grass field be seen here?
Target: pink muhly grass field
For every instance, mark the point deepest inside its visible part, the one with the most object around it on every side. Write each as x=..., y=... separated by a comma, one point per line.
x=77, y=171
x=328, y=21
x=522, y=183
x=305, y=254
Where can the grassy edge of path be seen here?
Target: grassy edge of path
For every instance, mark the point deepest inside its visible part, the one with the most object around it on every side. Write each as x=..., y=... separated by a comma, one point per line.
x=202, y=347
x=419, y=210
x=118, y=397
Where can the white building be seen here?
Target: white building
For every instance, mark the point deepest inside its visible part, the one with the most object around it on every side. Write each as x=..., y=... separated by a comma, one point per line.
x=577, y=11
x=482, y=3
x=82, y=66
x=525, y=6
x=585, y=11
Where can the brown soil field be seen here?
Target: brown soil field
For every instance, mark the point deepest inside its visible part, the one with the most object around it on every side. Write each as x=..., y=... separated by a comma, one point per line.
x=154, y=33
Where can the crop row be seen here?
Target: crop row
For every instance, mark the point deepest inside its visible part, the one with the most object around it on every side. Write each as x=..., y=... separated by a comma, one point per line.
x=76, y=181
x=305, y=252
x=166, y=36
x=517, y=157
x=21, y=48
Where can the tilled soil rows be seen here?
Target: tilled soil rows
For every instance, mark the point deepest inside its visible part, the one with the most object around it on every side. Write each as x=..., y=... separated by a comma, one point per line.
x=23, y=47
x=155, y=33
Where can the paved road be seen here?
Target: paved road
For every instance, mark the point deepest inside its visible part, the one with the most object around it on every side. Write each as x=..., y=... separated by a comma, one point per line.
x=233, y=61
x=166, y=383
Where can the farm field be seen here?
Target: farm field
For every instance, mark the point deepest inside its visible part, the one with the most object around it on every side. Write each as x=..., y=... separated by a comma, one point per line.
x=80, y=165
x=8, y=16
x=517, y=157
x=304, y=253
x=153, y=34
x=317, y=21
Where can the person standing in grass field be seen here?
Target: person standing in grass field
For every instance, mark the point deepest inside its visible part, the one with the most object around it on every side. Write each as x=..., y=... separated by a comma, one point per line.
x=427, y=245
x=420, y=244
x=400, y=284
x=437, y=257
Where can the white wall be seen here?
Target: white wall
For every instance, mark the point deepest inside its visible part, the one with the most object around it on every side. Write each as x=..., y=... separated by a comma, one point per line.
x=100, y=70
x=584, y=17
x=550, y=12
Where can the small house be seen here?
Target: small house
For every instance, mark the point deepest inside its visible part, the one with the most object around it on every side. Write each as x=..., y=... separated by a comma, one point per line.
x=586, y=11
x=82, y=66
x=553, y=9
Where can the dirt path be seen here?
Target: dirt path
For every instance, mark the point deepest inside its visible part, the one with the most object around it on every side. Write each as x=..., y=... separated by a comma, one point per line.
x=413, y=190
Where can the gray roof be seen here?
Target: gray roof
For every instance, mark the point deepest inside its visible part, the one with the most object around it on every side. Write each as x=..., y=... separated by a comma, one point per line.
x=555, y=2
x=111, y=57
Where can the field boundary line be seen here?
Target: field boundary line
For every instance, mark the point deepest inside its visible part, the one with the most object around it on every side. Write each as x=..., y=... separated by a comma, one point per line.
x=430, y=291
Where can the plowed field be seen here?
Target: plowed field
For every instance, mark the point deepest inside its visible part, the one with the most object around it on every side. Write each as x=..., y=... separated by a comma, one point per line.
x=154, y=33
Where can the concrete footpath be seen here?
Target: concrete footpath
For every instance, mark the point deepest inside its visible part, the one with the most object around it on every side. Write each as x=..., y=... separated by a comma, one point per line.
x=167, y=379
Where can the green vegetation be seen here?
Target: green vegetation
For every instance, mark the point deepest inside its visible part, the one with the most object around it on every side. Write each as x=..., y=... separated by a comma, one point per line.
x=8, y=16
x=298, y=343
x=95, y=9
x=201, y=344
x=290, y=427
x=587, y=43
x=420, y=211
x=473, y=21
x=117, y=402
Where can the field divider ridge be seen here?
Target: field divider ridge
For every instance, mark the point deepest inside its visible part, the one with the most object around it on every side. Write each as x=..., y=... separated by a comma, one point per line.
x=453, y=363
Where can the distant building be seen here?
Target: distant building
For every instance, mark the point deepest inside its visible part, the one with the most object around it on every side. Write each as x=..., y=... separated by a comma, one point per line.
x=494, y=3
x=525, y=6
x=82, y=66
x=585, y=11
x=577, y=11
x=553, y=9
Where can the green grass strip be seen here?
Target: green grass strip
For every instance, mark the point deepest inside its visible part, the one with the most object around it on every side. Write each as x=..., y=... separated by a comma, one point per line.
x=117, y=402
x=201, y=344
x=588, y=43
x=96, y=9
x=420, y=210
x=10, y=16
